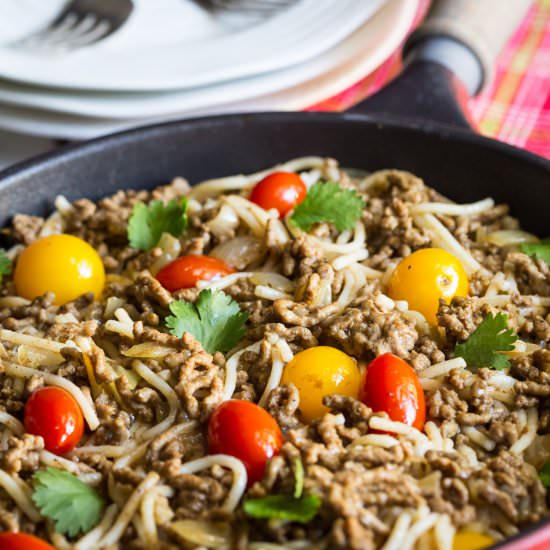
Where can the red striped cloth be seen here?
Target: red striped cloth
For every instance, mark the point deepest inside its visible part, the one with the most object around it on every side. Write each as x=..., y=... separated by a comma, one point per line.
x=515, y=106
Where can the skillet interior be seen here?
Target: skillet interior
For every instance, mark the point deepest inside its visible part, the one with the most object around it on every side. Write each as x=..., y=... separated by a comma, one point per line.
x=459, y=164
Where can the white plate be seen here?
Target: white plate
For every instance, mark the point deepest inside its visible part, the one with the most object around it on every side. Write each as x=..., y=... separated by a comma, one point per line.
x=361, y=51
x=173, y=44
x=379, y=39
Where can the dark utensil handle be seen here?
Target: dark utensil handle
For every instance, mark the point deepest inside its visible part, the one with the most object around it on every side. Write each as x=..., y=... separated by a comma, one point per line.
x=447, y=59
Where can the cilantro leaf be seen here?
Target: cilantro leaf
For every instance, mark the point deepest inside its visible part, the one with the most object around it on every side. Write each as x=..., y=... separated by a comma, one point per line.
x=328, y=202
x=5, y=265
x=539, y=250
x=285, y=507
x=148, y=222
x=216, y=321
x=298, y=507
x=544, y=474
x=61, y=496
x=490, y=337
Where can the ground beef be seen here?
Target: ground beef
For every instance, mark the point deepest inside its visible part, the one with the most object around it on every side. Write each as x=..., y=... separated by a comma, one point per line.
x=25, y=229
x=40, y=313
x=282, y=404
x=147, y=293
x=301, y=314
x=532, y=275
x=201, y=495
x=387, y=218
x=115, y=424
x=169, y=450
x=200, y=379
x=510, y=485
x=22, y=454
x=350, y=492
x=301, y=257
x=298, y=337
x=426, y=352
x=445, y=404
x=368, y=331
x=461, y=317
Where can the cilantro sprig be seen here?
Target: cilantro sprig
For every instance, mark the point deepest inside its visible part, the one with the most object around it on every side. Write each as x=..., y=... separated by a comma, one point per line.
x=215, y=320
x=296, y=507
x=540, y=250
x=544, y=474
x=490, y=337
x=285, y=507
x=5, y=265
x=328, y=202
x=148, y=222
x=61, y=496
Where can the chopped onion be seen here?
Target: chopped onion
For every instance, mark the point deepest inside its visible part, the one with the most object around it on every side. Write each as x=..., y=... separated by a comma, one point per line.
x=66, y=318
x=239, y=252
x=274, y=280
x=225, y=222
x=202, y=533
x=148, y=350
x=522, y=348
x=171, y=248
x=538, y=452
x=323, y=296
x=510, y=237
x=113, y=303
x=132, y=377
x=13, y=301
x=38, y=358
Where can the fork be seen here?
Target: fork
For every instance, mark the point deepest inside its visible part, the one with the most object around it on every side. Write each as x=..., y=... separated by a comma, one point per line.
x=81, y=23
x=252, y=7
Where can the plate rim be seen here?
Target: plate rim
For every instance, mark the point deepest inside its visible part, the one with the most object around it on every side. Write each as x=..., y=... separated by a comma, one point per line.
x=292, y=98
x=15, y=69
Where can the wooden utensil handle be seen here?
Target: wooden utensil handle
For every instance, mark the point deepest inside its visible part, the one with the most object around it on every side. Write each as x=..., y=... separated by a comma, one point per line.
x=483, y=26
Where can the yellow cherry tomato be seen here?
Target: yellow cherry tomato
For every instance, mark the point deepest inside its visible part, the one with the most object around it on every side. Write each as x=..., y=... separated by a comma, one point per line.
x=426, y=276
x=321, y=371
x=470, y=540
x=62, y=264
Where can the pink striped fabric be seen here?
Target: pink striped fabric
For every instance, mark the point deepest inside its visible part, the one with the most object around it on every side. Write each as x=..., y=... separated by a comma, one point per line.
x=515, y=106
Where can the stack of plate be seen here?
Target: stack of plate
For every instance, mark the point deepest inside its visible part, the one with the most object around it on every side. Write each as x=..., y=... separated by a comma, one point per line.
x=172, y=59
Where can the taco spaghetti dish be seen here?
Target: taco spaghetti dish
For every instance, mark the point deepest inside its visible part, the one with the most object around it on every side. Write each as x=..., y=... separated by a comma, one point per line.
x=306, y=357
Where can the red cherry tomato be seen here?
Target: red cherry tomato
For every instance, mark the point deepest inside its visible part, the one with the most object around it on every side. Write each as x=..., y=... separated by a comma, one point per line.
x=280, y=190
x=54, y=414
x=246, y=431
x=22, y=541
x=186, y=271
x=392, y=386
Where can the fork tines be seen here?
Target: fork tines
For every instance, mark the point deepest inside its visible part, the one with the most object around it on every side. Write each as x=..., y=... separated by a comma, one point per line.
x=81, y=23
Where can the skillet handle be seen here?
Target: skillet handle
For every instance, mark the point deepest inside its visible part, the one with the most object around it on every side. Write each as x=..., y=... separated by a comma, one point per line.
x=483, y=26
x=447, y=59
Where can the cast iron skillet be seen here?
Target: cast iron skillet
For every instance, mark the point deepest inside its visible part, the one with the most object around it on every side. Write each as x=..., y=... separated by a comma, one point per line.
x=446, y=153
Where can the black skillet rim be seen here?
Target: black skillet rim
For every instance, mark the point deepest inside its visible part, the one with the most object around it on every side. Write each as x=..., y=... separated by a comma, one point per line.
x=445, y=132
